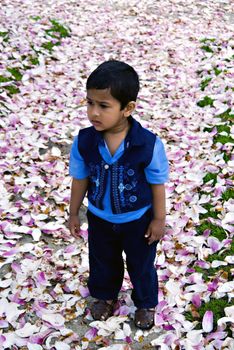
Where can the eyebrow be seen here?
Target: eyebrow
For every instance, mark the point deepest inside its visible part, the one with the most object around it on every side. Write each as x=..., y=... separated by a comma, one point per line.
x=90, y=99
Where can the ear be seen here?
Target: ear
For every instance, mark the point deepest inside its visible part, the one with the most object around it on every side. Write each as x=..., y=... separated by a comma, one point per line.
x=129, y=108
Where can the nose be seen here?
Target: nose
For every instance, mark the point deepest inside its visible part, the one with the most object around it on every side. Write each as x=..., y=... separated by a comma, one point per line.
x=95, y=111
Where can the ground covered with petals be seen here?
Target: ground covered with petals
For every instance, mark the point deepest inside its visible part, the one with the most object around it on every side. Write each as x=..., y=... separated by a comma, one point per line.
x=184, y=54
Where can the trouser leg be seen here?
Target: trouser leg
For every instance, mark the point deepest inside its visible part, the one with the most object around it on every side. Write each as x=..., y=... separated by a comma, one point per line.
x=105, y=259
x=140, y=258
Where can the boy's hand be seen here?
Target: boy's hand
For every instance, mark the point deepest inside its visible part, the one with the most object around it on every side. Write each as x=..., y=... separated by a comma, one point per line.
x=155, y=230
x=74, y=225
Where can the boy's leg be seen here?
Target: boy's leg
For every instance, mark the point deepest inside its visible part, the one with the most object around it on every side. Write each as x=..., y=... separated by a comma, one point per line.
x=140, y=257
x=105, y=259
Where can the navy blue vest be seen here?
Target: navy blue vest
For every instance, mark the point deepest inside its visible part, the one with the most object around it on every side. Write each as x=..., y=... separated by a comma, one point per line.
x=129, y=188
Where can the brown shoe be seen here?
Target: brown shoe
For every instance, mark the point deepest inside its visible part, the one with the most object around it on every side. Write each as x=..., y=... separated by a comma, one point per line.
x=144, y=318
x=102, y=310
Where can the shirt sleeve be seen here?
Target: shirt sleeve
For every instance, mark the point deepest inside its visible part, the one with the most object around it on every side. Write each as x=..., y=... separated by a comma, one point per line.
x=157, y=171
x=77, y=167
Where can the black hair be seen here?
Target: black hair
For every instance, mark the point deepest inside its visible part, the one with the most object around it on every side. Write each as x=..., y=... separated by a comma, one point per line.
x=119, y=77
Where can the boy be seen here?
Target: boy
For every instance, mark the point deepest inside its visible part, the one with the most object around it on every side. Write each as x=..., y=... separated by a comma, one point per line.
x=123, y=167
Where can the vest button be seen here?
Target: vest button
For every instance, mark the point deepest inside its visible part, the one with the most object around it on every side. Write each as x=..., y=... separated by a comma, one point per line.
x=133, y=199
x=130, y=172
x=106, y=166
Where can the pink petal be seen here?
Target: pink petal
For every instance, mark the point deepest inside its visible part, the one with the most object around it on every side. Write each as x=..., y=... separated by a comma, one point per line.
x=84, y=234
x=84, y=291
x=2, y=340
x=213, y=285
x=214, y=244
x=207, y=322
x=42, y=279
x=196, y=300
x=16, y=267
x=11, y=252
x=4, y=324
x=69, y=249
x=91, y=333
x=216, y=335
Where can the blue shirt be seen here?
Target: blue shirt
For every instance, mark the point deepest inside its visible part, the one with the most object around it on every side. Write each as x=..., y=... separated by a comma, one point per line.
x=156, y=173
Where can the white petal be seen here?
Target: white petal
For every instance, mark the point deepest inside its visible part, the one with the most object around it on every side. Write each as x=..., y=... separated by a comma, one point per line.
x=60, y=345
x=56, y=320
x=34, y=346
x=55, y=151
x=195, y=336
x=12, y=312
x=217, y=263
x=229, y=311
x=229, y=259
x=127, y=329
x=119, y=334
x=228, y=219
x=36, y=233
x=226, y=287
x=27, y=330
x=52, y=226
x=27, y=247
x=116, y=347
x=5, y=283
x=225, y=320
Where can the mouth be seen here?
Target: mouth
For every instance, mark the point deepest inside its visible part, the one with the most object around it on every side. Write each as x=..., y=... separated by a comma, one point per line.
x=96, y=123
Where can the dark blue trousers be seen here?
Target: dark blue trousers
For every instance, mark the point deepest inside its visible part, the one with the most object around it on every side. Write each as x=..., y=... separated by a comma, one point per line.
x=107, y=241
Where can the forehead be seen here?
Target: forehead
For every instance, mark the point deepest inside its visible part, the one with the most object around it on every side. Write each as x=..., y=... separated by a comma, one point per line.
x=102, y=95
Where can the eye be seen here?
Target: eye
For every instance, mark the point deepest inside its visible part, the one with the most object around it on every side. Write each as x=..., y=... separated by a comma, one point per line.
x=90, y=103
x=103, y=106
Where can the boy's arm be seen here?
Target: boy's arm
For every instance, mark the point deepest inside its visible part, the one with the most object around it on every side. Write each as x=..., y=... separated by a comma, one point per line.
x=157, y=226
x=78, y=191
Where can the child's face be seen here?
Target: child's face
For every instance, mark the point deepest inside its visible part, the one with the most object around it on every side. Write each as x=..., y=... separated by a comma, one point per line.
x=104, y=111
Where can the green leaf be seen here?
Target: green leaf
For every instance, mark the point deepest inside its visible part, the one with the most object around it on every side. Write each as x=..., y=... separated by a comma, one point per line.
x=227, y=157
x=57, y=30
x=216, y=231
x=188, y=316
x=34, y=60
x=223, y=139
x=221, y=128
x=226, y=115
x=3, y=34
x=228, y=194
x=207, y=39
x=49, y=45
x=15, y=73
x=4, y=79
x=207, y=274
x=207, y=48
x=35, y=18
x=217, y=256
x=205, y=83
x=210, y=212
x=207, y=101
x=11, y=89
x=217, y=71
x=210, y=176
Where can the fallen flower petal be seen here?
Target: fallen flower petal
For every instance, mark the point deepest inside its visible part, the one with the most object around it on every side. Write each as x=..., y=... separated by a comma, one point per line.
x=59, y=345
x=27, y=330
x=55, y=320
x=207, y=321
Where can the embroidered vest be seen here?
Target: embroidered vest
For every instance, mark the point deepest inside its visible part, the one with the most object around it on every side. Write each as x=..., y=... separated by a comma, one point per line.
x=129, y=188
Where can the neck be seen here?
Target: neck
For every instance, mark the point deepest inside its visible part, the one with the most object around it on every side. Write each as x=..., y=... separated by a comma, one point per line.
x=121, y=129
